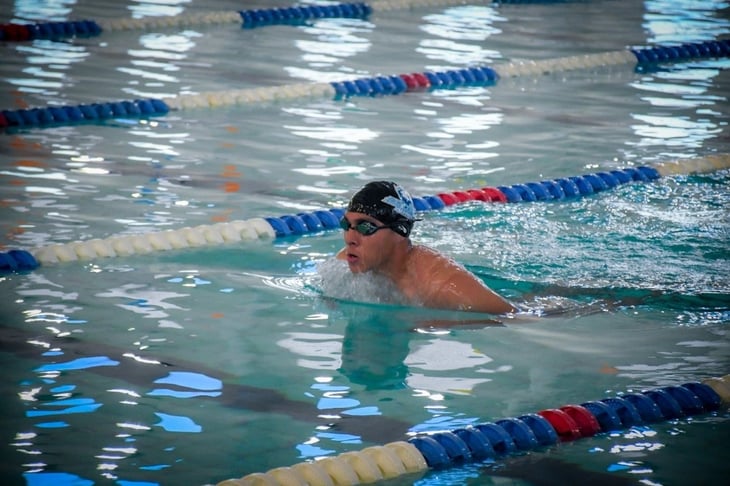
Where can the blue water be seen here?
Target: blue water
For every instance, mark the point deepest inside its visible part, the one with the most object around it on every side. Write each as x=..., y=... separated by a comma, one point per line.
x=196, y=365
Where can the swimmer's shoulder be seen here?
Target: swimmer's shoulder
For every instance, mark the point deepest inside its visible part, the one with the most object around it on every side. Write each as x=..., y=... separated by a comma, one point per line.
x=432, y=269
x=432, y=260
x=422, y=257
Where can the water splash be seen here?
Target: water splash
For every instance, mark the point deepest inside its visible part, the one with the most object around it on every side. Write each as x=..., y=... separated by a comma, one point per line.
x=336, y=281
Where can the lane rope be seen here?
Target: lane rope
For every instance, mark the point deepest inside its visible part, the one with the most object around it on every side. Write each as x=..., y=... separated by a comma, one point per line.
x=501, y=438
x=294, y=225
x=248, y=19
x=368, y=86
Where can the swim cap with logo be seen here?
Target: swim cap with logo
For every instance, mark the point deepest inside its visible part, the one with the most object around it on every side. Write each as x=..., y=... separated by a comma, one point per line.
x=387, y=202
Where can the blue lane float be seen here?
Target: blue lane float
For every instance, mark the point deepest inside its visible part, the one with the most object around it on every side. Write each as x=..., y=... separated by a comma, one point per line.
x=90, y=113
x=298, y=15
x=368, y=86
x=49, y=30
x=499, y=439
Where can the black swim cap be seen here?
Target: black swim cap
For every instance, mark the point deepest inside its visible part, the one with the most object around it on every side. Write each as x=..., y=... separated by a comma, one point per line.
x=387, y=202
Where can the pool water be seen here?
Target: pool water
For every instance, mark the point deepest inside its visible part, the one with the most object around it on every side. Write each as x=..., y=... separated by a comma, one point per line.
x=192, y=366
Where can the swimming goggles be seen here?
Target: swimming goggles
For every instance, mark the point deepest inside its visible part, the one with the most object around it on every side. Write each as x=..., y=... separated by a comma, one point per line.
x=365, y=228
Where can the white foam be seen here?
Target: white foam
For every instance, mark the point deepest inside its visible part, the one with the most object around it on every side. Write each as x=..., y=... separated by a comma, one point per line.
x=338, y=282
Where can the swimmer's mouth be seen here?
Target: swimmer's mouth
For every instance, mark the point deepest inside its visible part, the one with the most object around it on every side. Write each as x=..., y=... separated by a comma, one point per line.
x=352, y=259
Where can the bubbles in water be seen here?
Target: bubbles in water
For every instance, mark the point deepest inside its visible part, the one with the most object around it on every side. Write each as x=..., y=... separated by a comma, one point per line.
x=336, y=281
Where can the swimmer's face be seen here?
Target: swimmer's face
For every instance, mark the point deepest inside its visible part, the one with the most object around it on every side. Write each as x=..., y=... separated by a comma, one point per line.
x=364, y=253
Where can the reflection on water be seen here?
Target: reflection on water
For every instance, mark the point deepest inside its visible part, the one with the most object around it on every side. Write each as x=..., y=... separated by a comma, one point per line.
x=42, y=11
x=669, y=22
x=458, y=36
x=335, y=41
x=157, y=64
x=140, y=299
x=339, y=38
x=157, y=8
x=669, y=130
x=49, y=67
x=316, y=351
x=684, y=86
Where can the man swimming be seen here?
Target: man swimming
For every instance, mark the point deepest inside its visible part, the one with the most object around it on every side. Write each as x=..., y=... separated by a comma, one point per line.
x=377, y=227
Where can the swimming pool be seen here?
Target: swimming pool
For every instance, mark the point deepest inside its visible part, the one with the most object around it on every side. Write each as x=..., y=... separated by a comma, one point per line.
x=195, y=365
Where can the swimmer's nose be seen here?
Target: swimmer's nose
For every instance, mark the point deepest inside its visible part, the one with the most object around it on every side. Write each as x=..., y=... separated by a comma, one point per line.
x=352, y=237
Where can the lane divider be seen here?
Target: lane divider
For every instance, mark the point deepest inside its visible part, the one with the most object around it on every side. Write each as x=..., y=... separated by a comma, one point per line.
x=323, y=220
x=367, y=86
x=248, y=19
x=501, y=438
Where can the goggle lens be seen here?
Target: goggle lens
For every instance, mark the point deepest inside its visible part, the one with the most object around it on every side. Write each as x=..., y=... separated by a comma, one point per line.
x=365, y=228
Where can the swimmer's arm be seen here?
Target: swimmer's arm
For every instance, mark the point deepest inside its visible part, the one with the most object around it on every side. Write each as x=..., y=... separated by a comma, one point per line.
x=341, y=255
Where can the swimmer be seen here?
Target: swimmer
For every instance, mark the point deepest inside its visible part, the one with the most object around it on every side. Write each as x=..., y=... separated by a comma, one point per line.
x=377, y=227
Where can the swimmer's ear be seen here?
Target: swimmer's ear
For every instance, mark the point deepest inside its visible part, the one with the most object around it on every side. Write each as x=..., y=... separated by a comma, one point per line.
x=403, y=228
x=406, y=227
